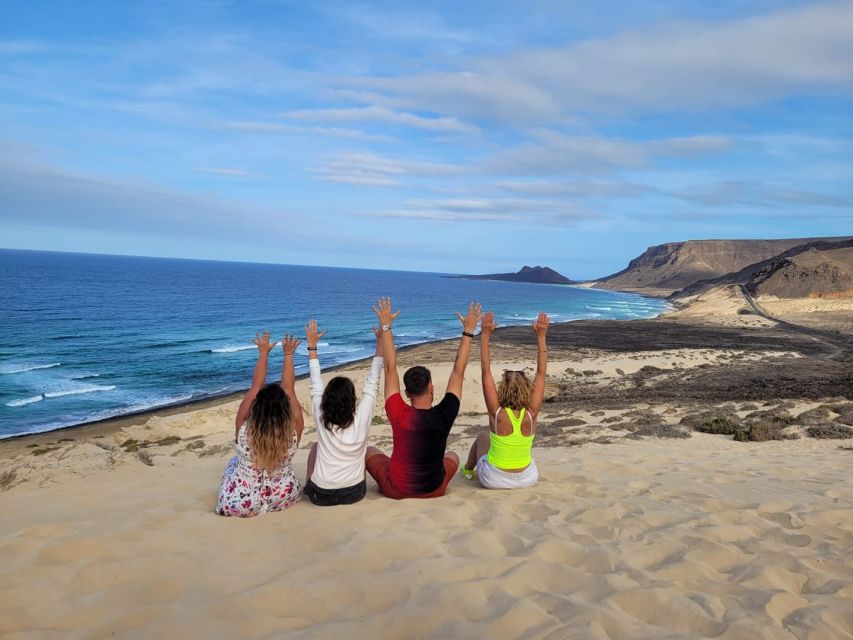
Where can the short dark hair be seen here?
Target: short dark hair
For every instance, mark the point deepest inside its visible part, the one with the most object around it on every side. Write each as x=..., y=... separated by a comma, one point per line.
x=338, y=403
x=416, y=380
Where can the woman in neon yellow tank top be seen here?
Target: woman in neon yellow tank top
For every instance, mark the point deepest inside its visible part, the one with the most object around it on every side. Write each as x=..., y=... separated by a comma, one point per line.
x=501, y=457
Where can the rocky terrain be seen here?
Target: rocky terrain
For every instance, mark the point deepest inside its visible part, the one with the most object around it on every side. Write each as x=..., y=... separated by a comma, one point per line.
x=809, y=274
x=815, y=267
x=664, y=269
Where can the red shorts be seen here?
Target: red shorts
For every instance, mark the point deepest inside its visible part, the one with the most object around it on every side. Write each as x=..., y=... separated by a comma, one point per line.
x=379, y=467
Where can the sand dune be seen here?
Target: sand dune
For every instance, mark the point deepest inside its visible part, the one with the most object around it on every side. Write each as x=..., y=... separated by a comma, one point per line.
x=703, y=537
x=674, y=539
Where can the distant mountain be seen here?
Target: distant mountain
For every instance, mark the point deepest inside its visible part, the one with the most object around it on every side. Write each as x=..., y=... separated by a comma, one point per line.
x=808, y=269
x=810, y=274
x=539, y=275
x=666, y=268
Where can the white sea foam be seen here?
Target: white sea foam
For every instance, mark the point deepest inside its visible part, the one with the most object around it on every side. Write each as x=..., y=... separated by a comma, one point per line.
x=28, y=367
x=74, y=392
x=233, y=349
x=23, y=401
x=154, y=404
x=331, y=350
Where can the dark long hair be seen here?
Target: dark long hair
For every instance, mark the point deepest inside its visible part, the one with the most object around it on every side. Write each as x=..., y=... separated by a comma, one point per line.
x=338, y=403
x=271, y=426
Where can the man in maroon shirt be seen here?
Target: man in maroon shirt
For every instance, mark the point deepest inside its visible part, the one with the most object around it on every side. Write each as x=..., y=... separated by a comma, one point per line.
x=418, y=466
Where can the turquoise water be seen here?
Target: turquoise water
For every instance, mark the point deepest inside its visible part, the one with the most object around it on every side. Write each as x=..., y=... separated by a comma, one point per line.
x=86, y=337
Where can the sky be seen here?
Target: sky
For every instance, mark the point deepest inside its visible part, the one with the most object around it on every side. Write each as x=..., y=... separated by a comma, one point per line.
x=464, y=137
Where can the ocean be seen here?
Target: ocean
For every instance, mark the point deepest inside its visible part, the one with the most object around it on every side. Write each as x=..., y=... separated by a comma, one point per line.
x=85, y=337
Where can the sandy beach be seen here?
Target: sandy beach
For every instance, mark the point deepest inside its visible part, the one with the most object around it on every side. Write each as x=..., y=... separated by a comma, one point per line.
x=641, y=526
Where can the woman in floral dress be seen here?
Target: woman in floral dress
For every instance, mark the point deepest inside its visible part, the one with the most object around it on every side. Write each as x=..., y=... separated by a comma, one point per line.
x=269, y=425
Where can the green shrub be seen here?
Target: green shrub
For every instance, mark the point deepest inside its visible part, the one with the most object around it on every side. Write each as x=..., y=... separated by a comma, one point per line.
x=721, y=426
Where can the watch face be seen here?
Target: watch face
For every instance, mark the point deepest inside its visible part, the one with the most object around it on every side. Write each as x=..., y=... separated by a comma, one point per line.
x=386, y=327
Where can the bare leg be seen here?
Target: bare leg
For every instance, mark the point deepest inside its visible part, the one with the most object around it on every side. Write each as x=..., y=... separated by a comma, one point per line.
x=380, y=459
x=479, y=448
x=312, y=459
x=372, y=451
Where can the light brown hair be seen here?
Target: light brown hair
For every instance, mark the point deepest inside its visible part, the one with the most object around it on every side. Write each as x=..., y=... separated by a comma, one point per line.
x=271, y=426
x=514, y=390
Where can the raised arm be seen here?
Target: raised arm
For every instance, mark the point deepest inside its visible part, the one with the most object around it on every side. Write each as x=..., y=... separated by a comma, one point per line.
x=312, y=338
x=469, y=324
x=540, y=326
x=262, y=342
x=490, y=393
x=370, y=389
x=288, y=382
x=386, y=318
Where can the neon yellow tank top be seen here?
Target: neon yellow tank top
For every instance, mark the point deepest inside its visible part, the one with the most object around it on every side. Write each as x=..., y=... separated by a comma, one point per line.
x=511, y=451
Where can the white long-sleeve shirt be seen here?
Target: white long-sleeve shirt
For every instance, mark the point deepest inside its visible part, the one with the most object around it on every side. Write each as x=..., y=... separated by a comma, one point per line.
x=340, y=452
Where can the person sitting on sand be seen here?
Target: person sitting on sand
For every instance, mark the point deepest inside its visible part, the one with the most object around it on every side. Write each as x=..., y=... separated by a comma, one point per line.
x=418, y=466
x=501, y=456
x=336, y=461
x=269, y=424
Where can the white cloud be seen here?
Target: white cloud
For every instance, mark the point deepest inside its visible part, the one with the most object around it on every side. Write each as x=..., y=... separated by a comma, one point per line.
x=253, y=126
x=402, y=24
x=16, y=47
x=558, y=153
x=753, y=193
x=577, y=189
x=476, y=209
x=682, y=65
x=45, y=195
x=222, y=171
x=382, y=114
x=367, y=169
x=273, y=127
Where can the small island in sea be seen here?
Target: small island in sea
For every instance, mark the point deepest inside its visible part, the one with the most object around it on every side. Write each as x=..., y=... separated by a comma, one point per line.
x=537, y=274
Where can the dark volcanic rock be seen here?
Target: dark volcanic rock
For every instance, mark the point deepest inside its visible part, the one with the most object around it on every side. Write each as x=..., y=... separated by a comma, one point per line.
x=536, y=275
x=830, y=431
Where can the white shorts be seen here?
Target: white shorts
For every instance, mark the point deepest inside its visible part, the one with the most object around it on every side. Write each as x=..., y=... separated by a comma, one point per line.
x=493, y=478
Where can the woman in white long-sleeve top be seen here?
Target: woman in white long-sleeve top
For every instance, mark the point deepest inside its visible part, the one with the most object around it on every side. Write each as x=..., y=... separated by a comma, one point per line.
x=336, y=461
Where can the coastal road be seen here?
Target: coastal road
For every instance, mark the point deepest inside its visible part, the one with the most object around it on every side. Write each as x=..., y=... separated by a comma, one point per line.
x=838, y=340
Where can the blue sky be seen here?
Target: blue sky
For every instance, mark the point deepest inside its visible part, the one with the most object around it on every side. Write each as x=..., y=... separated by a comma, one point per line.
x=462, y=137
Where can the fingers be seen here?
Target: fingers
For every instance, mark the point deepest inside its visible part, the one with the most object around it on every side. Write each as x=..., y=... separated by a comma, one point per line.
x=394, y=316
x=320, y=335
x=459, y=315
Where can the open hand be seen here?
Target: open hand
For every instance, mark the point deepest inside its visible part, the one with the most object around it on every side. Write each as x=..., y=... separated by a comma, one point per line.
x=262, y=342
x=487, y=326
x=312, y=334
x=384, y=312
x=289, y=344
x=469, y=322
x=540, y=325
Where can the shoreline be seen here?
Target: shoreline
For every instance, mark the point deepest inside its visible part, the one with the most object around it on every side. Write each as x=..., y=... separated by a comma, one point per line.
x=131, y=418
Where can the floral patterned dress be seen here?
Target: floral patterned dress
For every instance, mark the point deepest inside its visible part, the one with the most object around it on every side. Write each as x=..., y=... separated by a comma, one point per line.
x=249, y=491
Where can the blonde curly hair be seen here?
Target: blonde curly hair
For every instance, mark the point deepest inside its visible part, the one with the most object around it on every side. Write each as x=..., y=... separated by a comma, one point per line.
x=271, y=426
x=514, y=390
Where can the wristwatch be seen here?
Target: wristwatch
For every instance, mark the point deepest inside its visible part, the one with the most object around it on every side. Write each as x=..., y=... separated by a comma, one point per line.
x=386, y=327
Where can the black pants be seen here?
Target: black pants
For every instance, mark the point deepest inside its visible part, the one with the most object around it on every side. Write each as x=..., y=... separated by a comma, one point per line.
x=331, y=497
